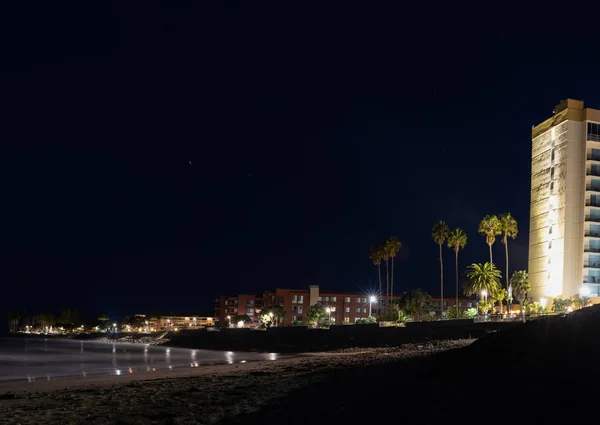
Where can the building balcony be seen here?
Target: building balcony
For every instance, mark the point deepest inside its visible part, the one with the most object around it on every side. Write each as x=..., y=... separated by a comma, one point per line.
x=593, y=137
x=592, y=265
x=593, y=156
x=592, y=172
x=590, y=203
x=589, y=249
x=593, y=187
x=592, y=234
x=592, y=218
x=591, y=279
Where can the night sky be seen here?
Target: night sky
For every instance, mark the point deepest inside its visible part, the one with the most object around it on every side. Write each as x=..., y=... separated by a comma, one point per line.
x=156, y=155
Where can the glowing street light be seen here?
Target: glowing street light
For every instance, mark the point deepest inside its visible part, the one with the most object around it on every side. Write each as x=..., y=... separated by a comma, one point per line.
x=372, y=299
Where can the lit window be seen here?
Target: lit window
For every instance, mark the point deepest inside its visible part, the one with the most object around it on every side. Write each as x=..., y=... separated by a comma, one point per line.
x=347, y=299
x=300, y=310
x=334, y=299
x=364, y=300
x=347, y=310
x=549, y=244
x=300, y=299
x=346, y=320
x=294, y=299
x=550, y=230
x=358, y=299
x=320, y=299
x=333, y=309
x=364, y=309
x=358, y=309
x=326, y=299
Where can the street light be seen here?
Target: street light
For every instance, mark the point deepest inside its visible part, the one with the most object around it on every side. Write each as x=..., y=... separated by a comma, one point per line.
x=372, y=299
x=328, y=310
x=484, y=296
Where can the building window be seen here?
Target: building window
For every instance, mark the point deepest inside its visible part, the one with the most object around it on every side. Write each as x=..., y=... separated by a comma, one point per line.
x=549, y=244
x=593, y=131
x=550, y=230
x=358, y=299
x=358, y=309
x=300, y=310
x=333, y=309
x=469, y=305
x=326, y=299
x=553, y=154
x=364, y=309
x=347, y=310
x=334, y=299
x=281, y=299
x=294, y=319
x=347, y=299
x=320, y=299
x=346, y=320
x=300, y=299
x=552, y=173
x=364, y=300
x=300, y=318
x=294, y=299
x=551, y=187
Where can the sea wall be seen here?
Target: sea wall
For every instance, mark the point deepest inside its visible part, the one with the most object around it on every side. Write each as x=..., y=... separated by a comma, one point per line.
x=301, y=339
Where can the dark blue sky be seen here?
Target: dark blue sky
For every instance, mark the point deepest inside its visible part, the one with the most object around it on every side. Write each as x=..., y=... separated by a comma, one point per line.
x=312, y=132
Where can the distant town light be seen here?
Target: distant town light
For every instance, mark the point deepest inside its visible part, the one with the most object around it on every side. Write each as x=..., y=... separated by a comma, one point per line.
x=114, y=325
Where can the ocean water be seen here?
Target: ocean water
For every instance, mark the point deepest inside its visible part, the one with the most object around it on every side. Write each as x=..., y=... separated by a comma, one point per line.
x=48, y=359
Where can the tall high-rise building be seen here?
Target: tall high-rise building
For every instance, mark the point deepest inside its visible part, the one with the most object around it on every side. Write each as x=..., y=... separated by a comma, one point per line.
x=564, y=235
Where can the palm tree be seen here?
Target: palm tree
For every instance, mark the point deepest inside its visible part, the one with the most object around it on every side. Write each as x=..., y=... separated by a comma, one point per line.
x=376, y=257
x=385, y=255
x=457, y=239
x=439, y=233
x=508, y=226
x=490, y=228
x=519, y=282
x=483, y=279
x=393, y=246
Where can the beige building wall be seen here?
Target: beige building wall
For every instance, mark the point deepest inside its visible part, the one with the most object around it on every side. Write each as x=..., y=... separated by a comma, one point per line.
x=557, y=204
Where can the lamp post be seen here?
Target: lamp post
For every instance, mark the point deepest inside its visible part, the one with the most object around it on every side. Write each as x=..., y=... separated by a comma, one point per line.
x=372, y=299
x=484, y=297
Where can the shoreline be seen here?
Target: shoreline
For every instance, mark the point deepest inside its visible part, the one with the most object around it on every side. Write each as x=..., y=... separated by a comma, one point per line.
x=191, y=395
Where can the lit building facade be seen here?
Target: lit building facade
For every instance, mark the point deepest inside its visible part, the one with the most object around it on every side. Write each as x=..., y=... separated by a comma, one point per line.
x=564, y=235
x=342, y=307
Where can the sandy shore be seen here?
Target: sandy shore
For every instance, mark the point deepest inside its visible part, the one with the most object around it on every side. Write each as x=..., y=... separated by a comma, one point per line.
x=203, y=395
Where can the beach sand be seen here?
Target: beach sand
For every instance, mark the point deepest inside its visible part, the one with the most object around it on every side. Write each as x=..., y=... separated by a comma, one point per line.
x=202, y=395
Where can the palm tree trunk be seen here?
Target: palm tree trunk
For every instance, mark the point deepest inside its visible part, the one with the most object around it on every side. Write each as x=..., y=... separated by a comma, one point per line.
x=379, y=273
x=387, y=283
x=441, y=284
x=457, y=283
x=522, y=311
x=491, y=261
x=506, y=250
x=392, y=283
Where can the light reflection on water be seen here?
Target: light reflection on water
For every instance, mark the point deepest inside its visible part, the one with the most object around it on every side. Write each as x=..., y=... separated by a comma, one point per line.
x=35, y=358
